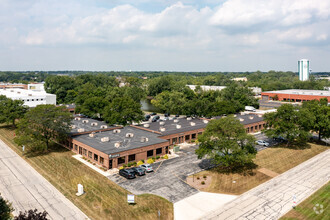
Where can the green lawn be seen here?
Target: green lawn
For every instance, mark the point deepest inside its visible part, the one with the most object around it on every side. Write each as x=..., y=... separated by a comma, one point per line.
x=305, y=210
x=103, y=199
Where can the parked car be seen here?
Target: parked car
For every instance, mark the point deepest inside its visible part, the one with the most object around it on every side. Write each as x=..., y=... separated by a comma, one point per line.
x=155, y=118
x=166, y=114
x=147, y=167
x=166, y=118
x=262, y=143
x=139, y=171
x=154, y=113
x=279, y=139
x=177, y=115
x=127, y=173
x=250, y=108
x=147, y=117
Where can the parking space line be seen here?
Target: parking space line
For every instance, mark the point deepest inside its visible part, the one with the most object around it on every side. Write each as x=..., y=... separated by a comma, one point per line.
x=159, y=165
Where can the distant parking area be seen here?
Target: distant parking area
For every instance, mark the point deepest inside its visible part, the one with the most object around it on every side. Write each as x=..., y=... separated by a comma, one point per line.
x=168, y=178
x=262, y=136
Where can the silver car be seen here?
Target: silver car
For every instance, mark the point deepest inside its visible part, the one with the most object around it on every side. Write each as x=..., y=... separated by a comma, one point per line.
x=147, y=167
x=262, y=143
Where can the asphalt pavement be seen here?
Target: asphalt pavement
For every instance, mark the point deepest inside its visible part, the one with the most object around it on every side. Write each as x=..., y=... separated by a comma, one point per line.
x=26, y=189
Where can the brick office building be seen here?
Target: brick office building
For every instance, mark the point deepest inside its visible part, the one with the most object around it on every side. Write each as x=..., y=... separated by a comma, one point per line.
x=296, y=95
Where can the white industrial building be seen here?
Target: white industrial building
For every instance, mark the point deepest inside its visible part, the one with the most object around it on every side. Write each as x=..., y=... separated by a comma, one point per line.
x=29, y=97
x=303, y=69
x=207, y=88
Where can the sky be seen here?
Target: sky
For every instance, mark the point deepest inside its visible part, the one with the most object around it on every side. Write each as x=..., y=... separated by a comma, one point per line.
x=164, y=35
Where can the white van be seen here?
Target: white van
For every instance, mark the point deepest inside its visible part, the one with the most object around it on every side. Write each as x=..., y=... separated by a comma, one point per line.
x=250, y=108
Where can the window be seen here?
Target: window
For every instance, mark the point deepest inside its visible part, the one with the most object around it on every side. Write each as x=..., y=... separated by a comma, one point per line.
x=193, y=136
x=96, y=157
x=150, y=153
x=256, y=127
x=251, y=129
x=174, y=140
x=121, y=160
x=187, y=138
x=131, y=157
x=37, y=99
x=28, y=100
x=32, y=100
x=247, y=130
x=90, y=154
x=259, y=127
x=159, y=150
x=101, y=160
x=200, y=133
x=75, y=147
x=84, y=151
x=166, y=150
x=41, y=99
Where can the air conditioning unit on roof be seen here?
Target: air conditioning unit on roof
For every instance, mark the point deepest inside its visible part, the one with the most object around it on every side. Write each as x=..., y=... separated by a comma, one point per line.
x=146, y=125
x=93, y=124
x=92, y=135
x=117, y=144
x=175, y=120
x=192, y=123
x=116, y=131
x=85, y=121
x=178, y=126
x=129, y=135
x=162, y=129
x=81, y=130
x=105, y=139
x=104, y=126
x=241, y=119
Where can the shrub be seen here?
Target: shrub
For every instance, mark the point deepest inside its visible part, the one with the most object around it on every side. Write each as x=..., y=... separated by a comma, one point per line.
x=157, y=157
x=88, y=160
x=94, y=163
x=134, y=163
x=150, y=161
x=153, y=159
x=203, y=183
x=140, y=163
x=121, y=167
x=162, y=157
x=204, y=176
x=198, y=178
x=166, y=157
x=192, y=141
x=84, y=158
x=125, y=165
x=130, y=164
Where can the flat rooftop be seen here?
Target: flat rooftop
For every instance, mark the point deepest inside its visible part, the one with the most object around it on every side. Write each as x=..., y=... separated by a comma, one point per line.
x=301, y=92
x=119, y=140
x=81, y=125
x=246, y=119
x=16, y=93
x=175, y=126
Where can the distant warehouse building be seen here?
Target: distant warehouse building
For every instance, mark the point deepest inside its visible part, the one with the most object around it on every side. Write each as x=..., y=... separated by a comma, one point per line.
x=29, y=97
x=114, y=146
x=295, y=95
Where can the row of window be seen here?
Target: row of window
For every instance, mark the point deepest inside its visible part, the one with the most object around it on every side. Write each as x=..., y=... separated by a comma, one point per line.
x=89, y=154
x=32, y=100
x=255, y=128
x=181, y=139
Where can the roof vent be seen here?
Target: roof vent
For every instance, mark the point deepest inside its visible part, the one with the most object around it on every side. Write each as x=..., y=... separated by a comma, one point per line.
x=235, y=116
x=129, y=135
x=241, y=119
x=144, y=139
x=192, y=123
x=73, y=126
x=189, y=118
x=104, y=126
x=76, y=119
x=176, y=120
x=67, y=106
x=162, y=129
x=116, y=131
x=205, y=121
x=92, y=135
x=117, y=144
x=81, y=130
x=146, y=125
x=242, y=113
x=93, y=124
x=105, y=139
x=178, y=126
x=250, y=117
x=259, y=116
x=84, y=121
x=161, y=122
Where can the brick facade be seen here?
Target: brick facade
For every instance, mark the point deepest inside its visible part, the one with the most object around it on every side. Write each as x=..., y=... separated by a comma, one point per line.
x=292, y=97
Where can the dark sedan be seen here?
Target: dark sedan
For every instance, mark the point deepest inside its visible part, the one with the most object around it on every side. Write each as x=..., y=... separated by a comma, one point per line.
x=127, y=173
x=139, y=171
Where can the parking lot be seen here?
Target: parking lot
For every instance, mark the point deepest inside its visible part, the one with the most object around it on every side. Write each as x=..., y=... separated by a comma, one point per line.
x=262, y=136
x=168, y=178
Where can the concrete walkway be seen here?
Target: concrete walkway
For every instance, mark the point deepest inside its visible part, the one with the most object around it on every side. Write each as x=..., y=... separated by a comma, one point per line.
x=274, y=198
x=27, y=189
x=195, y=206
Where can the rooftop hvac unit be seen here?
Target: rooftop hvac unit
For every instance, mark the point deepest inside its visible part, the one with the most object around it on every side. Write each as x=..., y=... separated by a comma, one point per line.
x=117, y=144
x=144, y=139
x=241, y=119
x=67, y=106
x=242, y=113
x=235, y=116
x=175, y=120
x=259, y=116
x=146, y=125
x=104, y=126
x=73, y=126
x=93, y=124
x=162, y=129
x=92, y=135
x=129, y=135
x=76, y=119
x=178, y=126
x=105, y=139
x=162, y=123
x=116, y=131
x=205, y=121
x=189, y=118
x=250, y=117
x=81, y=130
x=29, y=94
x=192, y=123
x=85, y=121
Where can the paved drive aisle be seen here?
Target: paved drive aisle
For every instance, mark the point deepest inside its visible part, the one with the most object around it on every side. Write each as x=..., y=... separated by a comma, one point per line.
x=27, y=189
x=274, y=198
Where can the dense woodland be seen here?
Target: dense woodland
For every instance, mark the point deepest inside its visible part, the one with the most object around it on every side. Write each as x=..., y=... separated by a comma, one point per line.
x=98, y=95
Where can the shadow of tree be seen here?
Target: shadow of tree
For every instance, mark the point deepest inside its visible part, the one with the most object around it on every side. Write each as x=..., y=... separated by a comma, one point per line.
x=53, y=148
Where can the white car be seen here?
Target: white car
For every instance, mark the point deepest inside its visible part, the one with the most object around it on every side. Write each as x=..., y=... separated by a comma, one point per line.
x=147, y=167
x=262, y=143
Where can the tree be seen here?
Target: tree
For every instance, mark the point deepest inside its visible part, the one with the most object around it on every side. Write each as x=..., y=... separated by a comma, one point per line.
x=32, y=215
x=171, y=102
x=123, y=111
x=288, y=123
x=321, y=116
x=10, y=110
x=43, y=125
x=93, y=107
x=5, y=209
x=226, y=143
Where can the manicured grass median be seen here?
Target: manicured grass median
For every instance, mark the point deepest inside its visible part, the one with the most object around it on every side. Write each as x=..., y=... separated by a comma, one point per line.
x=276, y=160
x=103, y=199
x=305, y=210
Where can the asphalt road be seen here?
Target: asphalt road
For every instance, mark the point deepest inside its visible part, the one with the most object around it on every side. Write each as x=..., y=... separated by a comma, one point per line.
x=167, y=180
x=274, y=198
x=27, y=189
